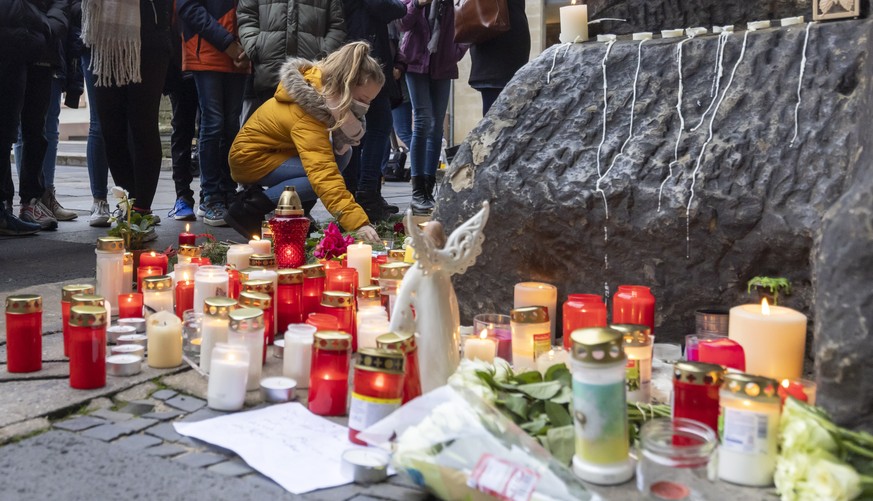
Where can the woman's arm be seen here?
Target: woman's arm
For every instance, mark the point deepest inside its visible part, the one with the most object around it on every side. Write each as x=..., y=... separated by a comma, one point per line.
x=201, y=21
x=248, y=27
x=412, y=17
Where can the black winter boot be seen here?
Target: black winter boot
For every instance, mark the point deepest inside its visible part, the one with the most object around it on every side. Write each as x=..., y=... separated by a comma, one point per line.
x=386, y=207
x=247, y=210
x=372, y=204
x=429, y=184
x=421, y=204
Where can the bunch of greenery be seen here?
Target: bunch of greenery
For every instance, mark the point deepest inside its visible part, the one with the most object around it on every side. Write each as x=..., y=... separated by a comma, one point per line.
x=773, y=284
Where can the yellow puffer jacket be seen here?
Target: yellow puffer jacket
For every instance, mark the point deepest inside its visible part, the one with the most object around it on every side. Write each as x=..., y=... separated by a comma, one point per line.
x=293, y=123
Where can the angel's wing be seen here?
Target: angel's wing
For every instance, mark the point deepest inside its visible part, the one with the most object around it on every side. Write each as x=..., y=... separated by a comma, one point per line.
x=465, y=243
x=425, y=255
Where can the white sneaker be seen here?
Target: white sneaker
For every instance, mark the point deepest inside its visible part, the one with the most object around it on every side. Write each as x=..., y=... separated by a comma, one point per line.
x=99, y=214
x=35, y=212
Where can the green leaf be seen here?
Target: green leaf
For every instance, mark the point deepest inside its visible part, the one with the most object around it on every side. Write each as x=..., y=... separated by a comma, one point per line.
x=562, y=443
x=558, y=414
x=553, y=372
x=528, y=377
x=537, y=408
x=541, y=391
x=565, y=378
x=565, y=396
x=517, y=404
x=536, y=426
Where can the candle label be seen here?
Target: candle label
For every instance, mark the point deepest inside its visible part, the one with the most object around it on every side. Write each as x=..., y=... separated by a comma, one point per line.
x=744, y=431
x=503, y=479
x=542, y=343
x=638, y=379
x=366, y=411
x=600, y=417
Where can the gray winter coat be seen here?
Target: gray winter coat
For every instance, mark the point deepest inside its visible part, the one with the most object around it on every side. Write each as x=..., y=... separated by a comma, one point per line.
x=272, y=30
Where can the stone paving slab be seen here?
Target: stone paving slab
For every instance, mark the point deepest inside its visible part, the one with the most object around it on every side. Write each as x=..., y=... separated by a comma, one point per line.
x=138, y=424
x=165, y=431
x=200, y=459
x=186, y=403
x=166, y=450
x=50, y=370
x=138, y=442
x=137, y=407
x=163, y=416
x=23, y=429
x=80, y=423
x=234, y=468
x=112, y=415
x=106, y=432
x=164, y=394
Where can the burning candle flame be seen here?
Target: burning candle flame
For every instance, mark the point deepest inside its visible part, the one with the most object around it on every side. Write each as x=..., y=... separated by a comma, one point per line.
x=785, y=383
x=153, y=254
x=187, y=227
x=185, y=277
x=255, y=237
x=483, y=334
x=572, y=2
x=765, y=308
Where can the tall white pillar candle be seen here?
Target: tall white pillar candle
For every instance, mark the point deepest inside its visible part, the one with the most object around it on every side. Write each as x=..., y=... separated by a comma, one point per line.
x=297, y=358
x=574, y=23
x=209, y=281
x=360, y=257
x=773, y=339
x=238, y=255
x=247, y=329
x=216, y=317
x=110, y=268
x=228, y=377
x=164, y=340
x=538, y=294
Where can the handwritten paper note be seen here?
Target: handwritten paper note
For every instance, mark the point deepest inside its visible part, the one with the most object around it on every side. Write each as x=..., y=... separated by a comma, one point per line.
x=297, y=449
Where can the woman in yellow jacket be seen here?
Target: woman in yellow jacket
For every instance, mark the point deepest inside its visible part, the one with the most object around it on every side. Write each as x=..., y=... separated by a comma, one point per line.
x=303, y=137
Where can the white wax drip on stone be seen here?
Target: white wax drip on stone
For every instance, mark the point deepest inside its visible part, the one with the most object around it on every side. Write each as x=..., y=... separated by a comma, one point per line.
x=672, y=33
x=800, y=84
x=791, y=21
x=721, y=29
x=599, y=149
x=705, y=144
x=681, y=121
x=643, y=35
x=606, y=38
x=718, y=72
x=758, y=25
x=696, y=31
x=566, y=47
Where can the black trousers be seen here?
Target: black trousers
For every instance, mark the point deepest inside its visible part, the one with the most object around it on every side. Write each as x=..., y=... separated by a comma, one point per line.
x=184, y=101
x=25, y=91
x=129, y=121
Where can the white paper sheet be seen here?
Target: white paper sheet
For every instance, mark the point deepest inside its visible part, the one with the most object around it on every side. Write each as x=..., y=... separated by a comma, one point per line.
x=297, y=449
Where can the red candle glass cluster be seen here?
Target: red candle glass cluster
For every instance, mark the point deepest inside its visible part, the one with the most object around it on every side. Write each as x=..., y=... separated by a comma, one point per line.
x=130, y=305
x=582, y=311
x=634, y=304
x=263, y=302
x=313, y=286
x=184, y=296
x=88, y=347
x=157, y=259
x=342, y=280
x=289, y=298
x=378, y=389
x=67, y=293
x=265, y=287
x=23, y=333
x=695, y=392
x=329, y=373
x=341, y=305
x=404, y=343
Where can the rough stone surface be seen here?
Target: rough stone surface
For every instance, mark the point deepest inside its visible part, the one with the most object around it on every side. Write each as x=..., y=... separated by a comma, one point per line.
x=112, y=415
x=19, y=430
x=138, y=424
x=758, y=202
x=234, y=468
x=138, y=442
x=79, y=423
x=164, y=394
x=106, y=432
x=186, y=403
x=166, y=450
x=139, y=407
x=200, y=459
x=163, y=416
x=138, y=392
x=203, y=414
x=164, y=431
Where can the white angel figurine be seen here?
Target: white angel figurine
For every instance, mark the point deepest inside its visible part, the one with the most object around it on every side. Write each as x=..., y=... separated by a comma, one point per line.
x=427, y=287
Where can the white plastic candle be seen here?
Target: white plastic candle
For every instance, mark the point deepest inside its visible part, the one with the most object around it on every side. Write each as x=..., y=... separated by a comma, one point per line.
x=127, y=283
x=530, y=336
x=538, y=294
x=369, y=329
x=184, y=271
x=273, y=277
x=480, y=347
x=360, y=257
x=164, y=340
x=259, y=246
x=209, y=281
x=773, y=339
x=157, y=295
x=214, y=329
x=247, y=329
x=228, y=377
x=557, y=355
x=297, y=357
x=238, y=255
x=574, y=23
x=110, y=268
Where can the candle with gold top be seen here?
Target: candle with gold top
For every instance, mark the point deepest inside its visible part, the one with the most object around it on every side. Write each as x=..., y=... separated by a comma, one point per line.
x=313, y=286
x=88, y=347
x=538, y=294
x=406, y=344
x=157, y=295
x=530, y=336
x=289, y=298
x=329, y=375
x=67, y=293
x=638, y=373
x=289, y=227
x=216, y=318
x=265, y=287
x=110, y=267
x=188, y=252
x=340, y=305
x=390, y=276
x=263, y=302
x=378, y=389
x=23, y=333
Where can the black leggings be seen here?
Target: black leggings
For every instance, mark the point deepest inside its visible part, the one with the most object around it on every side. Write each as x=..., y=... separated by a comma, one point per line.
x=129, y=121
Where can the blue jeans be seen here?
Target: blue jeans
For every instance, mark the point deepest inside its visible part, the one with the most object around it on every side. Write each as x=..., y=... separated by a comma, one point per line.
x=95, y=150
x=375, y=143
x=292, y=173
x=403, y=122
x=220, y=95
x=52, y=119
x=430, y=98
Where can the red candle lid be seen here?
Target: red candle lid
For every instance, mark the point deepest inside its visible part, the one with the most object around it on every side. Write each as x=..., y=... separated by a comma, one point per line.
x=20, y=304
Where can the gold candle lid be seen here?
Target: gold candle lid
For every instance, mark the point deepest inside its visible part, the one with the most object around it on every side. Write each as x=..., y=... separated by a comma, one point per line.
x=20, y=304
x=157, y=284
x=219, y=306
x=530, y=315
x=758, y=388
x=597, y=345
x=289, y=204
x=110, y=244
x=128, y=258
x=332, y=341
x=393, y=341
x=312, y=270
x=87, y=300
x=246, y=319
x=337, y=299
x=246, y=272
x=290, y=276
x=369, y=292
x=87, y=316
x=394, y=271
x=698, y=373
x=635, y=336
x=395, y=255
x=189, y=250
x=380, y=360
x=265, y=229
x=258, y=285
x=255, y=300
x=68, y=291
x=265, y=260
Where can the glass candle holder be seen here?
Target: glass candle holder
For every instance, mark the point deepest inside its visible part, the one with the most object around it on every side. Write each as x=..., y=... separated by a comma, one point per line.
x=313, y=287
x=396, y=255
x=371, y=323
x=184, y=271
x=265, y=287
x=209, y=281
x=184, y=297
x=582, y=311
x=266, y=261
x=530, y=336
x=266, y=232
x=341, y=306
x=263, y=302
x=369, y=297
x=157, y=295
x=378, y=389
x=722, y=351
x=634, y=304
x=800, y=389
x=127, y=273
x=297, y=355
x=378, y=261
x=600, y=407
x=23, y=333
x=87, y=347
x=67, y=293
x=695, y=392
x=322, y=321
x=234, y=284
x=216, y=318
x=749, y=429
x=289, y=298
x=164, y=340
x=329, y=375
x=342, y=280
x=153, y=258
x=668, y=353
x=187, y=253
x=390, y=276
x=238, y=256
x=406, y=344
x=192, y=334
x=130, y=305
x=498, y=328
x=110, y=267
x=228, y=377
x=246, y=328
x=480, y=347
x=538, y=294
x=674, y=457
x=273, y=277
x=638, y=349
x=290, y=228
x=556, y=356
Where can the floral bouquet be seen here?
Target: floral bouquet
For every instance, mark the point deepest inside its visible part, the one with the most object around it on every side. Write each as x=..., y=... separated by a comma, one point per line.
x=333, y=245
x=134, y=228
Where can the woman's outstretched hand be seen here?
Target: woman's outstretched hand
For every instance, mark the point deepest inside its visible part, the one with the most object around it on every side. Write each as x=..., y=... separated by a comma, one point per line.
x=368, y=234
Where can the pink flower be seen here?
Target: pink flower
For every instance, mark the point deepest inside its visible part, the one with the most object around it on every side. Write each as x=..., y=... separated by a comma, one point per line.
x=399, y=228
x=334, y=244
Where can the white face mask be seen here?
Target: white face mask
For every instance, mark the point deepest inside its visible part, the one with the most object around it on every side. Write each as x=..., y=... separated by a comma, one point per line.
x=358, y=108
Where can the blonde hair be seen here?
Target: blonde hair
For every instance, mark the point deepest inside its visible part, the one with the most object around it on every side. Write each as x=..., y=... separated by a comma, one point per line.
x=348, y=67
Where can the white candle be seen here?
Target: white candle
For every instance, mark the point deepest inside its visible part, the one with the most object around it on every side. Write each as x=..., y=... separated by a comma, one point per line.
x=272, y=276
x=480, y=348
x=110, y=268
x=758, y=25
x=164, y=333
x=209, y=281
x=369, y=329
x=127, y=283
x=557, y=355
x=259, y=246
x=157, y=294
x=238, y=255
x=184, y=271
x=773, y=339
x=672, y=33
x=643, y=35
x=530, y=336
x=297, y=357
x=791, y=21
x=214, y=328
x=247, y=329
x=574, y=23
x=228, y=377
x=538, y=294
x=360, y=257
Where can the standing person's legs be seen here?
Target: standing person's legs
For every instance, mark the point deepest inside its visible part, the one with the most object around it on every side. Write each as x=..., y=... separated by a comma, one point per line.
x=112, y=111
x=439, y=98
x=422, y=130
x=402, y=116
x=52, y=123
x=13, y=78
x=184, y=103
x=374, y=147
x=33, y=116
x=95, y=153
x=233, y=101
x=489, y=95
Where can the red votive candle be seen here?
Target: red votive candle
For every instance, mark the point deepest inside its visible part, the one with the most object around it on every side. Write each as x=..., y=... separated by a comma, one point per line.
x=265, y=287
x=342, y=280
x=67, y=293
x=234, y=284
x=130, y=305
x=323, y=322
x=201, y=261
x=24, y=333
x=341, y=305
x=313, y=286
x=289, y=298
x=582, y=311
x=184, y=297
x=722, y=351
x=153, y=258
x=186, y=238
x=695, y=392
x=634, y=304
x=404, y=343
x=378, y=389
x=144, y=272
x=329, y=373
x=87, y=347
x=377, y=260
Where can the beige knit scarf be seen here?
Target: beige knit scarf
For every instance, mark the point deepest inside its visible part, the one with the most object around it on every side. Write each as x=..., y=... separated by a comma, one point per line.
x=110, y=28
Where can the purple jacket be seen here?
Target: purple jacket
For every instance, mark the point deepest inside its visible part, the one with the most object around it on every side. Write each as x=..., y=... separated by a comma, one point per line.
x=413, y=45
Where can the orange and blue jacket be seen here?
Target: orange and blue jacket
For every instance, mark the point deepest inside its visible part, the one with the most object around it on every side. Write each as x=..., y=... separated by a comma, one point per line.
x=208, y=29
